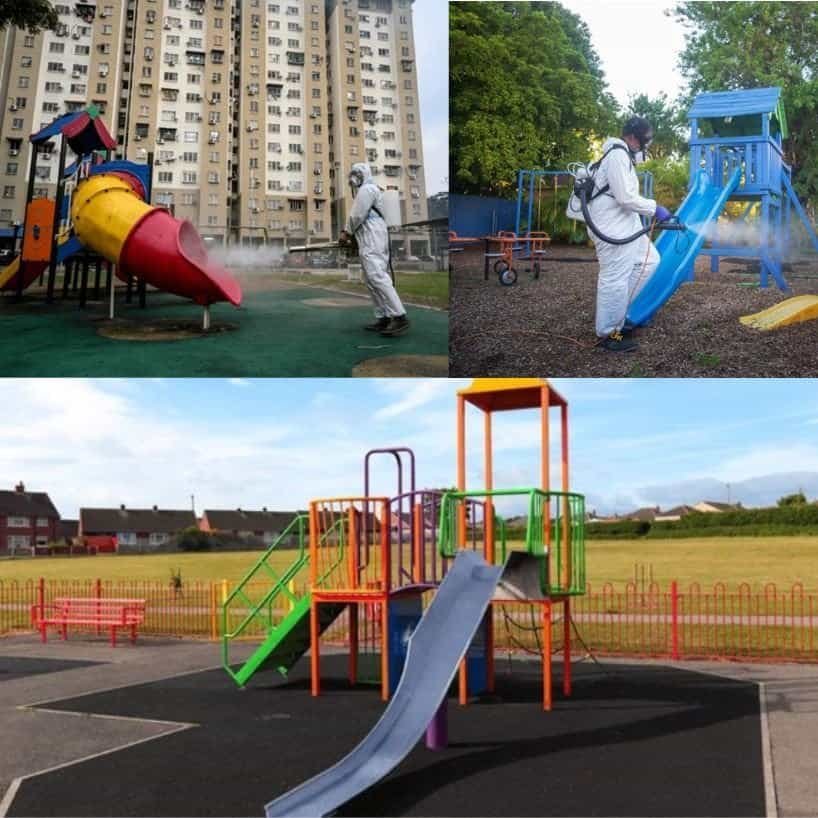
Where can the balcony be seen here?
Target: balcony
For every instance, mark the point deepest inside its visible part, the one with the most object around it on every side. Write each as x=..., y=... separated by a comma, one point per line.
x=295, y=58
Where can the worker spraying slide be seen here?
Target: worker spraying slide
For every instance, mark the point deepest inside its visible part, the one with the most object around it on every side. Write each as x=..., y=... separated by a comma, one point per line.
x=606, y=197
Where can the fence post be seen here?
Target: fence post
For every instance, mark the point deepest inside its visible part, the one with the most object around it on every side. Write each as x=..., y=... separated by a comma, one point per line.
x=674, y=619
x=41, y=597
x=98, y=592
x=214, y=631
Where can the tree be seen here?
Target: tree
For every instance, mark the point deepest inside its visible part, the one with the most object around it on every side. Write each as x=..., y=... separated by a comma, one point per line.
x=31, y=15
x=797, y=499
x=526, y=90
x=734, y=45
x=194, y=539
x=667, y=120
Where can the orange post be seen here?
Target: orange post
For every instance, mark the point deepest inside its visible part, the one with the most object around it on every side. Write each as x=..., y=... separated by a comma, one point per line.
x=461, y=468
x=353, y=643
x=545, y=471
x=352, y=565
x=488, y=524
x=566, y=657
x=386, y=557
x=546, y=656
x=385, y=649
x=418, y=557
x=315, y=670
x=463, y=684
x=567, y=566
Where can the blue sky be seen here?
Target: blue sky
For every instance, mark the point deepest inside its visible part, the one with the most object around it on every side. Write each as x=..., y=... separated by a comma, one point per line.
x=431, y=22
x=278, y=443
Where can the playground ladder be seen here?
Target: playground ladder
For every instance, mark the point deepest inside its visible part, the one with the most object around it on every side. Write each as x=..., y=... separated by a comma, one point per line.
x=286, y=639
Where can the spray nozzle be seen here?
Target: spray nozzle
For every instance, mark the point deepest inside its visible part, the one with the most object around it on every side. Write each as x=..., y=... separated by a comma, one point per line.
x=672, y=223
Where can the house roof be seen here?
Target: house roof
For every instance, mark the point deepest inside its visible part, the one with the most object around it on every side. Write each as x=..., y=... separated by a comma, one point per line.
x=67, y=529
x=135, y=519
x=26, y=503
x=248, y=520
x=740, y=103
x=676, y=511
x=648, y=513
x=720, y=506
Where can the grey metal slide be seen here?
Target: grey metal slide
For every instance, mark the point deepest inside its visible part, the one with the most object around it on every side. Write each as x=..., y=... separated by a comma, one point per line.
x=439, y=642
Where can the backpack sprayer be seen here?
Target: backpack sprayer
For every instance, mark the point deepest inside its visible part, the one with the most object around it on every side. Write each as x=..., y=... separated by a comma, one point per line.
x=585, y=192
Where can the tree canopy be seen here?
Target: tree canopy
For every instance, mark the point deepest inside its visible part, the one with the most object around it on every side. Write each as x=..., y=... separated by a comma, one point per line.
x=755, y=45
x=526, y=90
x=668, y=121
x=32, y=15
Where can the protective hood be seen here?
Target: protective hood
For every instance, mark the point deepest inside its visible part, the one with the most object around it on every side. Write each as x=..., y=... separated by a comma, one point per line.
x=614, y=140
x=364, y=169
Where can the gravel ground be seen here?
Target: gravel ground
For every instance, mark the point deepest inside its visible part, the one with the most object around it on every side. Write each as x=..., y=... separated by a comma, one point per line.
x=546, y=326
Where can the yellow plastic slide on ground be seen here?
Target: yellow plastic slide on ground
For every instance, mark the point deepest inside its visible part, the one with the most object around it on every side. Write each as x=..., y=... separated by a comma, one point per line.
x=791, y=311
x=8, y=273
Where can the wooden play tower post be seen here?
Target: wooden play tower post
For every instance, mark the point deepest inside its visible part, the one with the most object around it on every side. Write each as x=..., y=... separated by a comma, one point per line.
x=501, y=395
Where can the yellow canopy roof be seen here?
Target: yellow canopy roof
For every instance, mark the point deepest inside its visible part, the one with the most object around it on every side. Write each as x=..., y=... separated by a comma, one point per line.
x=503, y=394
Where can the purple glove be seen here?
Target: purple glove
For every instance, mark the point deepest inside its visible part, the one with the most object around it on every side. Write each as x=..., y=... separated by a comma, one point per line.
x=662, y=214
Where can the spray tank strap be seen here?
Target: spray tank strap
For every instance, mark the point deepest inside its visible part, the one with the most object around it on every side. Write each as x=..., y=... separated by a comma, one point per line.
x=594, y=167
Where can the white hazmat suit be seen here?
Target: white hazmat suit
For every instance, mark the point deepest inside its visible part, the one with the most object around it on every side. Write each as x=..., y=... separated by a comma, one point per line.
x=369, y=229
x=622, y=268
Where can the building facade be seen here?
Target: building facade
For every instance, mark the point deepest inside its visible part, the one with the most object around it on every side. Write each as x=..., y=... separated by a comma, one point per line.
x=27, y=519
x=136, y=530
x=253, y=111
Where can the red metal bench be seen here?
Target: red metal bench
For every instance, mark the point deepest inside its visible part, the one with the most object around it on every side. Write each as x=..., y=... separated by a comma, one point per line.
x=112, y=614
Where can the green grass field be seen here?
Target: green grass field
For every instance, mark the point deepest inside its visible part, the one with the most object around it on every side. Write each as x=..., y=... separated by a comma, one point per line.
x=732, y=560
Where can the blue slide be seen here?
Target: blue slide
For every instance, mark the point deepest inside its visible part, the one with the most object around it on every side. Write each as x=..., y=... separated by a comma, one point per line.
x=702, y=206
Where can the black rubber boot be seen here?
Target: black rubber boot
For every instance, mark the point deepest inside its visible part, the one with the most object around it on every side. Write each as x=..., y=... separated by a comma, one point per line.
x=379, y=325
x=617, y=342
x=397, y=326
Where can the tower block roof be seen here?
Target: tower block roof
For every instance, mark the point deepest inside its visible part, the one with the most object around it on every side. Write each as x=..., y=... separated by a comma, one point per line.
x=505, y=394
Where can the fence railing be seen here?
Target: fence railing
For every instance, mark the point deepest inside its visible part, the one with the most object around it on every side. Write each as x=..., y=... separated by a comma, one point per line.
x=765, y=623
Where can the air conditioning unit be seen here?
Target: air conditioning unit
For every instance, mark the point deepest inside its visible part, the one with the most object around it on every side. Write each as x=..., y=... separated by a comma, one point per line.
x=137, y=138
x=75, y=36
x=14, y=152
x=12, y=107
x=166, y=26
x=75, y=75
x=160, y=141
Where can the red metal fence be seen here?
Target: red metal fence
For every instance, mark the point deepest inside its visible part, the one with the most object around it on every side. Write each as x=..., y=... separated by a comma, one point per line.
x=647, y=620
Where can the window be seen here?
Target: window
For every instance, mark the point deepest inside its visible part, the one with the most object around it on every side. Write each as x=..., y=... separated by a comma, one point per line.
x=42, y=522
x=165, y=177
x=213, y=177
x=12, y=168
x=126, y=537
x=189, y=177
x=18, y=522
x=54, y=48
x=19, y=541
x=157, y=538
x=191, y=136
x=190, y=156
x=213, y=199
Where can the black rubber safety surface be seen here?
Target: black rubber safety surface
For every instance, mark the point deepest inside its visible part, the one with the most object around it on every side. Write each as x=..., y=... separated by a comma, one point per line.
x=631, y=741
x=15, y=667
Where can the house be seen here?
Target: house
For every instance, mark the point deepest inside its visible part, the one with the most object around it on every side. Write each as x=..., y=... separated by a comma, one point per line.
x=135, y=529
x=27, y=519
x=67, y=531
x=711, y=506
x=673, y=514
x=645, y=515
x=246, y=524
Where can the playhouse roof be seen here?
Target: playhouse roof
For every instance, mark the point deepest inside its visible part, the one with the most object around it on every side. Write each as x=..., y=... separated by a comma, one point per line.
x=742, y=102
x=502, y=394
x=83, y=130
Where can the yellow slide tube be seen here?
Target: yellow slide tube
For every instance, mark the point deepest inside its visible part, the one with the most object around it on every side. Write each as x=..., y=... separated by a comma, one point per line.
x=104, y=211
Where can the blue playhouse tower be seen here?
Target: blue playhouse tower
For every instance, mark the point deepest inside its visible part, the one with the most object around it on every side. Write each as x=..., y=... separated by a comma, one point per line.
x=748, y=127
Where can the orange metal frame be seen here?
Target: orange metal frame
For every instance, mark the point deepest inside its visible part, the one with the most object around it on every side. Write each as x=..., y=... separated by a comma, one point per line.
x=511, y=394
x=508, y=240
x=375, y=589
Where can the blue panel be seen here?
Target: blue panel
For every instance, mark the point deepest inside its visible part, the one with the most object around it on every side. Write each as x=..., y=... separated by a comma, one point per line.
x=404, y=614
x=477, y=216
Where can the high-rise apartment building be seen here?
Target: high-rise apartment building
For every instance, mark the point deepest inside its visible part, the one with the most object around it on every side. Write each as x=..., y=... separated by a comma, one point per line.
x=375, y=114
x=253, y=111
x=49, y=74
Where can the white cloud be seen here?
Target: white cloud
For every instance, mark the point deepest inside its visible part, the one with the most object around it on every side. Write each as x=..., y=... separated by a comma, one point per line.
x=410, y=395
x=241, y=382
x=769, y=459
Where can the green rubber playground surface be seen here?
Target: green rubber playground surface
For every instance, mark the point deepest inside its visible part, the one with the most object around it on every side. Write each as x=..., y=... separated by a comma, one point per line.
x=285, y=331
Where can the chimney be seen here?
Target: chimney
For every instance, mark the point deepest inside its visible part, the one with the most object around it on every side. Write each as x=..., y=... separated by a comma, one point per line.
x=156, y=508
x=122, y=507
x=20, y=487
x=264, y=508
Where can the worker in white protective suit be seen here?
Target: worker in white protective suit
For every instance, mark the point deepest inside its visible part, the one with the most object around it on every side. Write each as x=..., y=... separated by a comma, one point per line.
x=367, y=223
x=624, y=269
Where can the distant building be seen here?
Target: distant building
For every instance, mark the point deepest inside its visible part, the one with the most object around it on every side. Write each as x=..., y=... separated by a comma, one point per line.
x=27, y=519
x=135, y=529
x=67, y=531
x=673, y=514
x=710, y=506
x=245, y=524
